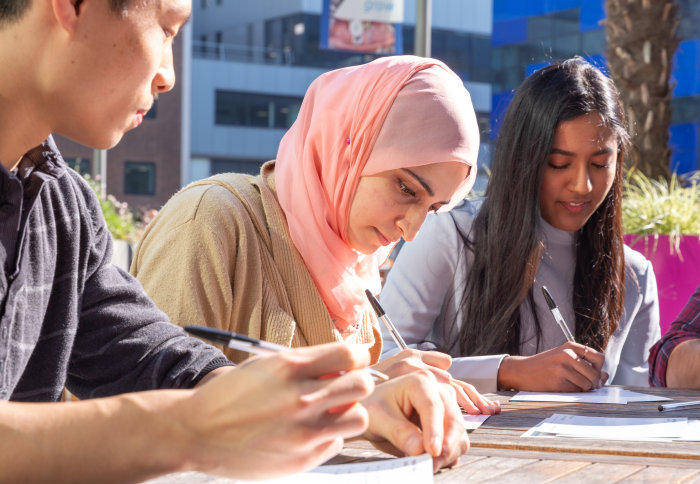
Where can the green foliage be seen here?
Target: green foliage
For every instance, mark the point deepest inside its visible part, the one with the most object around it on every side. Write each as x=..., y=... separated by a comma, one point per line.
x=121, y=221
x=661, y=207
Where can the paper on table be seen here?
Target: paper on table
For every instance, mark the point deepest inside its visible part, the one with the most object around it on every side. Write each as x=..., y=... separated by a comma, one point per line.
x=602, y=395
x=407, y=470
x=472, y=422
x=607, y=428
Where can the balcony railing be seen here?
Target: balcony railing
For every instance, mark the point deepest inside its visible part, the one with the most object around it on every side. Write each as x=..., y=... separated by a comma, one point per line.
x=241, y=53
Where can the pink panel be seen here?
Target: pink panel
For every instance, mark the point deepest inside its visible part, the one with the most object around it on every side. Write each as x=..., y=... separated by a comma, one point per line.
x=676, y=276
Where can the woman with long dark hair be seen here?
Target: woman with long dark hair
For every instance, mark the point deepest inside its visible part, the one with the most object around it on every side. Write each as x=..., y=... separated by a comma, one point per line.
x=471, y=283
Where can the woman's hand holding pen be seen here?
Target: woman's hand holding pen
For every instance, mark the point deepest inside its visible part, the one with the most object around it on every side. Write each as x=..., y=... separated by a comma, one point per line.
x=571, y=367
x=270, y=415
x=413, y=414
x=437, y=363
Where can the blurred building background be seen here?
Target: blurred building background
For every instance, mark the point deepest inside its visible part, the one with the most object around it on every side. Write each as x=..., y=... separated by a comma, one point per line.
x=528, y=35
x=243, y=67
x=253, y=61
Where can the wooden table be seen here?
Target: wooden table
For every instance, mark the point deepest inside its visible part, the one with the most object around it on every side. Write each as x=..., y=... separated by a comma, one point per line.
x=500, y=455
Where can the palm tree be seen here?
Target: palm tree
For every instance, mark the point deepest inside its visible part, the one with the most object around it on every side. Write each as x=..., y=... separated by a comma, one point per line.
x=641, y=41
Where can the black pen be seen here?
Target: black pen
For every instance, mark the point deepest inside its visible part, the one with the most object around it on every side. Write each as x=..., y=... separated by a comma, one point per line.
x=557, y=315
x=242, y=342
x=381, y=314
x=235, y=341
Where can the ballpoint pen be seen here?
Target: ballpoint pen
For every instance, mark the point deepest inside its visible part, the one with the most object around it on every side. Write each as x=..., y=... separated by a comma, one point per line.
x=235, y=341
x=673, y=406
x=381, y=314
x=557, y=315
x=242, y=342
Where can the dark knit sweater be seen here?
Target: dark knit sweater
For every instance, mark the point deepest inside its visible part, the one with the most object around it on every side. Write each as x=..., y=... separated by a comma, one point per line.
x=68, y=317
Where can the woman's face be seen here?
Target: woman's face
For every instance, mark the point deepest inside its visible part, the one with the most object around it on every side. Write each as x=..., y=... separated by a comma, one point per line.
x=393, y=204
x=579, y=173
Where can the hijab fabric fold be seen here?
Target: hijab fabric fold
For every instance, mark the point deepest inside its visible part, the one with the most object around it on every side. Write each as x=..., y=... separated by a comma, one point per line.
x=395, y=112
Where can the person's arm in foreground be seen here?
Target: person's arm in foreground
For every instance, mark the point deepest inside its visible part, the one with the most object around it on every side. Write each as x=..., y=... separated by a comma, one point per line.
x=674, y=361
x=265, y=418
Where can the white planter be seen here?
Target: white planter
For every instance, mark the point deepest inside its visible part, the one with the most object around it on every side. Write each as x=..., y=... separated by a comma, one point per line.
x=122, y=254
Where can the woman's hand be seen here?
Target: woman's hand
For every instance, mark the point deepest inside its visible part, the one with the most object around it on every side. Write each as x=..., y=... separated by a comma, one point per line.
x=437, y=363
x=413, y=414
x=571, y=367
x=281, y=409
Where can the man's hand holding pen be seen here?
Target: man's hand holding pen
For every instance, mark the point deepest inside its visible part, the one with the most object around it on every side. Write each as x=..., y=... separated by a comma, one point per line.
x=234, y=418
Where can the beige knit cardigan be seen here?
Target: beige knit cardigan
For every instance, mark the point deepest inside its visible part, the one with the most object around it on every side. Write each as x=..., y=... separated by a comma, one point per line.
x=219, y=254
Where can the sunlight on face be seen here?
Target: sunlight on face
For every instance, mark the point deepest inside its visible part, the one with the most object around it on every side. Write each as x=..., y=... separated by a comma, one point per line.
x=393, y=204
x=579, y=173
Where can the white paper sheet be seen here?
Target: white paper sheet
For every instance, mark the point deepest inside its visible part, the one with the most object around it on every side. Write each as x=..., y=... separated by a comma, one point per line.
x=406, y=470
x=615, y=395
x=472, y=422
x=609, y=428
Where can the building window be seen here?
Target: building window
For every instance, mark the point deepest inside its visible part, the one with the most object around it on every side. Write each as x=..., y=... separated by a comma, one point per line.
x=139, y=178
x=256, y=110
x=249, y=166
x=81, y=165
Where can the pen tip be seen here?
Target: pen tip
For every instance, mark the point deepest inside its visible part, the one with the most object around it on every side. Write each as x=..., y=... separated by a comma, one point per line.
x=548, y=298
x=375, y=304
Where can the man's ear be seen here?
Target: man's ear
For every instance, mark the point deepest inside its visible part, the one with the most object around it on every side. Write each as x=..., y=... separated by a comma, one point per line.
x=66, y=13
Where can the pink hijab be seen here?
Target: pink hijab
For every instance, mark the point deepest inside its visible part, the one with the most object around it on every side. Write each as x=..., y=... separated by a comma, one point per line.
x=395, y=112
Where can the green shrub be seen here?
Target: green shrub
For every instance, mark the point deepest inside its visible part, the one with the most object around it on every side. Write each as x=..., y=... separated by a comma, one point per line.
x=661, y=207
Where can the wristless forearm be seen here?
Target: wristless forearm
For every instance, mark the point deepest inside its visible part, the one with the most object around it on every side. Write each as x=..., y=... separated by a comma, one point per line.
x=118, y=439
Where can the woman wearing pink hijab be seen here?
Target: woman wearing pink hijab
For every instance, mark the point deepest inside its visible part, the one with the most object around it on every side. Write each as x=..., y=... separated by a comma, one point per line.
x=286, y=256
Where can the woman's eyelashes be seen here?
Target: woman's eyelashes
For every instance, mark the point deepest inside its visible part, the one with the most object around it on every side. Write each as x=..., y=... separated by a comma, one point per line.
x=602, y=166
x=557, y=167
x=406, y=191
x=405, y=188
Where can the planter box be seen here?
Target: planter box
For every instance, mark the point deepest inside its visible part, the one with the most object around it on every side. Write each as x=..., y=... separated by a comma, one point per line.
x=677, y=274
x=122, y=254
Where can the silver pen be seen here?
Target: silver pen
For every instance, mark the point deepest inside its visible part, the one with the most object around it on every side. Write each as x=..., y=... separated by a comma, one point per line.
x=557, y=315
x=673, y=406
x=381, y=314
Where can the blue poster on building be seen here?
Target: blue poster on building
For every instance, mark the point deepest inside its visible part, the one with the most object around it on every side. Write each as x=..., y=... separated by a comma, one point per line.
x=371, y=26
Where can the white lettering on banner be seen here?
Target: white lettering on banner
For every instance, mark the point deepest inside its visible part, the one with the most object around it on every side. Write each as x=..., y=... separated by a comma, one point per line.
x=390, y=11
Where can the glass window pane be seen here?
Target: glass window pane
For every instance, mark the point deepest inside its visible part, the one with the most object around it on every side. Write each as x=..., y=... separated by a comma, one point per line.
x=593, y=42
x=139, y=178
x=235, y=108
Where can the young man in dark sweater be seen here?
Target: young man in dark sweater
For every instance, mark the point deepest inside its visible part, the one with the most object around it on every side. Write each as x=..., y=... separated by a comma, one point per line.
x=89, y=69
x=153, y=401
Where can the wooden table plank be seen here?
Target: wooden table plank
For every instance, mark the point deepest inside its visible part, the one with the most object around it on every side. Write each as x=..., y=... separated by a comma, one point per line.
x=602, y=473
x=479, y=470
x=661, y=475
x=585, y=457
x=540, y=471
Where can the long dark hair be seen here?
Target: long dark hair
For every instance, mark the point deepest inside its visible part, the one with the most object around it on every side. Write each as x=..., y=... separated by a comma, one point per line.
x=505, y=238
